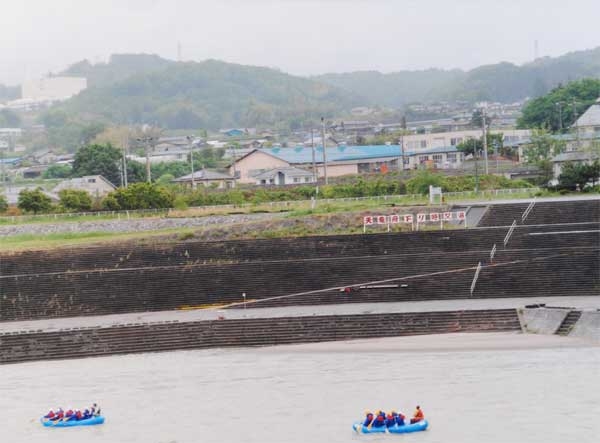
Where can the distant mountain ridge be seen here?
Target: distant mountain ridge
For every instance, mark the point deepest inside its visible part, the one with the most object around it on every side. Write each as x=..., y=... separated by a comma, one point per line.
x=143, y=88
x=209, y=94
x=502, y=82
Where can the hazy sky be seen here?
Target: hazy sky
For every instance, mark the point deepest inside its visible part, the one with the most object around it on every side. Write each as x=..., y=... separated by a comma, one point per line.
x=297, y=36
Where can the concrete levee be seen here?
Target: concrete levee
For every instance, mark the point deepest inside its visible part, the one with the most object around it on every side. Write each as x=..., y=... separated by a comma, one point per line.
x=588, y=326
x=541, y=320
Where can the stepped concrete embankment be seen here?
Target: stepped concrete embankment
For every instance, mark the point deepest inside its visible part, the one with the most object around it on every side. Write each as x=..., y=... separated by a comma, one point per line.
x=31, y=346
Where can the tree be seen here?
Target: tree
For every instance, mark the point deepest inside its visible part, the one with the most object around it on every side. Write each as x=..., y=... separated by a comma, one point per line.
x=420, y=183
x=3, y=204
x=140, y=196
x=578, y=174
x=58, y=171
x=555, y=111
x=75, y=200
x=539, y=152
x=493, y=141
x=104, y=160
x=34, y=200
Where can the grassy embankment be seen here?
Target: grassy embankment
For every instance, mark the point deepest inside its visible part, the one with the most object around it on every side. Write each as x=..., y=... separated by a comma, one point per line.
x=339, y=217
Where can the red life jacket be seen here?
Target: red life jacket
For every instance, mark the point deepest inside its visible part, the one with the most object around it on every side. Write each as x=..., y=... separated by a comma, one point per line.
x=78, y=414
x=60, y=414
x=69, y=413
x=380, y=418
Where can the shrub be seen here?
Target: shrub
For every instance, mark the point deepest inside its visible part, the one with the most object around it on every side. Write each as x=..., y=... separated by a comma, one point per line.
x=140, y=196
x=34, y=200
x=75, y=200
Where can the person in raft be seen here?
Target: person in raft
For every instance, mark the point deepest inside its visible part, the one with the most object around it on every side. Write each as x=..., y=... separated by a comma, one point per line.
x=400, y=419
x=368, y=419
x=390, y=420
x=95, y=410
x=379, y=422
x=418, y=416
x=51, y=415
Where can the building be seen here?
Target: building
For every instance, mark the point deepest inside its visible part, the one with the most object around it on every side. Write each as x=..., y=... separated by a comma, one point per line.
x=52, y=88
x=288, y=175
x=416, y=142
x=577, y=157
x=341, y=160
x=445, y=157
x=95, y=185
x=207, y=178
x=11, y=193
x=589, y=121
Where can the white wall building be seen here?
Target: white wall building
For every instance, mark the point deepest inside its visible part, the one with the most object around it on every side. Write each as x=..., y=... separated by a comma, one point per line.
x=52, y=88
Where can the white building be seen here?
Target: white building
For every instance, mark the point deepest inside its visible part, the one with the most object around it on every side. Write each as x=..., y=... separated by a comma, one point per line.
x=416, y=142
x=52, y=88
x=589, y=122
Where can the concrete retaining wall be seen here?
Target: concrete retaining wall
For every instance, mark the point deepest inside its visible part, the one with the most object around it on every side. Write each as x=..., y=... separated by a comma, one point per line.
x=541, y=320
x=588, y=326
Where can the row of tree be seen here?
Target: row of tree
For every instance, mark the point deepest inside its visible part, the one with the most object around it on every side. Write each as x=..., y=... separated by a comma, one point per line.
x=144, y=195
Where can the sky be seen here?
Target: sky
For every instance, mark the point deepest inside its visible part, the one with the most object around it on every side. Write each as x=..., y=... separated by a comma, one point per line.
x=303, y=37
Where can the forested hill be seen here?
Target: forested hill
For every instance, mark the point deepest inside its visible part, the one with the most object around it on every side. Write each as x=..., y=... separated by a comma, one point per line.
x=209, y=94
x=503, y=82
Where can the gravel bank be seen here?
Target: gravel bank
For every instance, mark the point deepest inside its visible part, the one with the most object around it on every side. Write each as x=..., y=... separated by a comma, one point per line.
x=135, y=225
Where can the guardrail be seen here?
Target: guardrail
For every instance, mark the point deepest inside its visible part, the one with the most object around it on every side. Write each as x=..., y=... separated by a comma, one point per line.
x=140, y=213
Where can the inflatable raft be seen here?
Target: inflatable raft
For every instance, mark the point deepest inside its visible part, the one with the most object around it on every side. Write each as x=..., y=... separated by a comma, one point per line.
x=97, y=420
x=416, y=427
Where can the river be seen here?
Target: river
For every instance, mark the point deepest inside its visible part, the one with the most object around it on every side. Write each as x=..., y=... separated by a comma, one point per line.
x=472, y=387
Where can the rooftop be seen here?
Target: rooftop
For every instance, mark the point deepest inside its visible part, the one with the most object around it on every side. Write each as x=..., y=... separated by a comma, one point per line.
x=204, y=174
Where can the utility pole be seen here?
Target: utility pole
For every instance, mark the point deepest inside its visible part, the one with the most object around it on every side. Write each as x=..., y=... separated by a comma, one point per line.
x=324, y=149
x=402, y=150
x=233, y=164
x=147, y=141
x=190, y=140
x=576, y=125
x=314, y=160
x=485, y=153
x=476, y=166
x=560, y=123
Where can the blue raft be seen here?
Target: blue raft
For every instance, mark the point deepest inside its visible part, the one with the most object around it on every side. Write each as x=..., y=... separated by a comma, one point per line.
x=416, y=427
x=96, y=420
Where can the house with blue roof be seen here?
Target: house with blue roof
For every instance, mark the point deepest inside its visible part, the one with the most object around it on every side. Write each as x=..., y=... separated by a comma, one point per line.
x=341, y=160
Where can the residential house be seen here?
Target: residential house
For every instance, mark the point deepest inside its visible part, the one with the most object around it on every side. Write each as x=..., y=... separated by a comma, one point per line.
x=284, y=176
x=207, y=178
x=95, y=185
x=577, y=157
x=589, y=121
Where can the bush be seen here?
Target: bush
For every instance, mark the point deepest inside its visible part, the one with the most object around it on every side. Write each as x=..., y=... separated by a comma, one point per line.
x=139, y=196
x=34, y=200
x=75, y=200
x=420, y=183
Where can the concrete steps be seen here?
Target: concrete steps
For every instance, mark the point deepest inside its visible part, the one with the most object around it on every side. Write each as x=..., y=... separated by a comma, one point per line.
x=568, y=323
x=245, y=332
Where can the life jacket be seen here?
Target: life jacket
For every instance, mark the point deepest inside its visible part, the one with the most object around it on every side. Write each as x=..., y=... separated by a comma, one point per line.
x=419, y=414
x=50, y=414
x=69, y=413
x=78, y=415
x=60, y=414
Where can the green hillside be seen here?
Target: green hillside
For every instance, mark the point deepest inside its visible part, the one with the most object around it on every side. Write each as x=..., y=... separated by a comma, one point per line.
x=503, y=82
x=190, y=95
